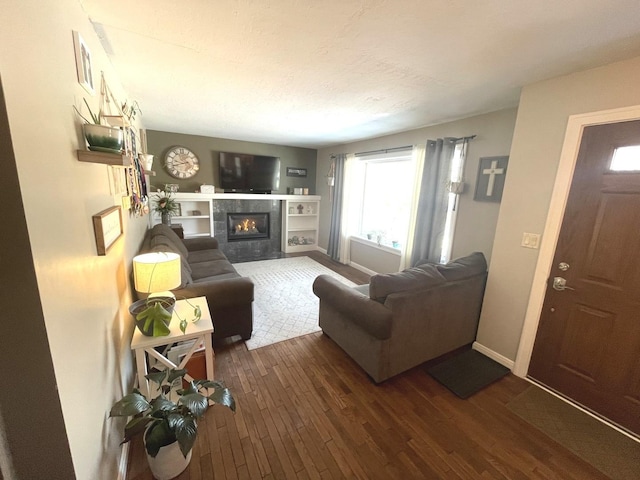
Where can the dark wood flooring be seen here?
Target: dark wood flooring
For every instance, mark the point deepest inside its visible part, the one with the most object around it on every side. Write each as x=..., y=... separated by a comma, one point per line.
x=307, y=411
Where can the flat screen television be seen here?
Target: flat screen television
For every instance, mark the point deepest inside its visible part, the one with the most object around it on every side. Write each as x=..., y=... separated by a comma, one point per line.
x=245, y=173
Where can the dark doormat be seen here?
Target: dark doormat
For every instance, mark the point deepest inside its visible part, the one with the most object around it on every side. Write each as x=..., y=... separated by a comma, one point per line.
x=467, y=373
x=608, y=450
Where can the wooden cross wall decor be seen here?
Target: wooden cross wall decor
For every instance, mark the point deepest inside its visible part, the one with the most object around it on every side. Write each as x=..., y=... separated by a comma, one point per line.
x=492, y=172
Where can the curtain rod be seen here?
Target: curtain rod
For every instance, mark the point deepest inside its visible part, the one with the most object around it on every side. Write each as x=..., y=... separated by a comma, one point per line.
x=387, y=150
x=399, y=149
x=470, y=137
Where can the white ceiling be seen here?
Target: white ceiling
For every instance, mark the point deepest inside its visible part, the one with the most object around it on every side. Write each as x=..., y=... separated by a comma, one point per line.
x=323, y=72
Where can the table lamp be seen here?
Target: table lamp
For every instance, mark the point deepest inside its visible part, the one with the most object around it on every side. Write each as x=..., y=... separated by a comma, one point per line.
x=156, y=273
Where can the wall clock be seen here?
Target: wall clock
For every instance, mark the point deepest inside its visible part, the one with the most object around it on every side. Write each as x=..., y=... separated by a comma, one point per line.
x=181, y=162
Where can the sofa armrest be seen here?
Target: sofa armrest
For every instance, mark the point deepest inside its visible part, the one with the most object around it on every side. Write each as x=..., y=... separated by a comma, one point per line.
x=220, y=293
x=202, y=243
x=368, y=314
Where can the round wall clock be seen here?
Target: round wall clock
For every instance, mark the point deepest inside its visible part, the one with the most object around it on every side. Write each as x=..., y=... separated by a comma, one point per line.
x=181, y=162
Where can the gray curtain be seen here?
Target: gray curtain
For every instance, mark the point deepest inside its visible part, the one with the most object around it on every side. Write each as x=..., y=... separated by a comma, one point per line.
x=333, y=249
x=432, y=204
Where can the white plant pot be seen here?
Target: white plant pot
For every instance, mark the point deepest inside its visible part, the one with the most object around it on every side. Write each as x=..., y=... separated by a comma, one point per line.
x=146, y=160
x=103, y=137
x=169, y=462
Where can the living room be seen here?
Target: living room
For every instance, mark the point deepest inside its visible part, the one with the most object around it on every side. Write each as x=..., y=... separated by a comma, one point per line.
x=70, y=343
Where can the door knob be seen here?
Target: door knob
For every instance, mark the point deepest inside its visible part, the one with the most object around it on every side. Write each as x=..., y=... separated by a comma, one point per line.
x=560, y=284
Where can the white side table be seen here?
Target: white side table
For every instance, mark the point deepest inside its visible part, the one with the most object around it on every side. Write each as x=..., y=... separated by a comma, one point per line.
x=200, y=331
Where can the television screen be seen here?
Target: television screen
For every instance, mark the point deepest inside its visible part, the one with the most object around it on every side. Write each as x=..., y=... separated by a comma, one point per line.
x=240, y=172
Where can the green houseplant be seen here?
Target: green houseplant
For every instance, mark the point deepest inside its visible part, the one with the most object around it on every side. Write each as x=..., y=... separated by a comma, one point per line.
x=169, y=420
x=100, y=137
x=166, y=205
x=153, y=315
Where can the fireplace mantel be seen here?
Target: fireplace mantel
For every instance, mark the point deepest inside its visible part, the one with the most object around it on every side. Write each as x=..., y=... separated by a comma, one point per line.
x=292, y=230
x=245, y=196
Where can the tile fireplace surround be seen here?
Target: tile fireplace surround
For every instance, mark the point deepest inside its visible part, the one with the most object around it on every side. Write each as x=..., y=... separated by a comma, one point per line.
x=253, y=249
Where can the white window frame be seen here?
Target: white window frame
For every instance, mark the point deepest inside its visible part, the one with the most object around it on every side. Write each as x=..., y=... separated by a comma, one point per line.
x=358, y=192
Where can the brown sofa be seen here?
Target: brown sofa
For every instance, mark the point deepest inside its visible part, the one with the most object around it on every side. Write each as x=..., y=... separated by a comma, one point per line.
x=403, y=319
x=207, y=272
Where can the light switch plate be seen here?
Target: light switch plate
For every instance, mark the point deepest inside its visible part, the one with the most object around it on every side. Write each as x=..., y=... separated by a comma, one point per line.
x=530, y=240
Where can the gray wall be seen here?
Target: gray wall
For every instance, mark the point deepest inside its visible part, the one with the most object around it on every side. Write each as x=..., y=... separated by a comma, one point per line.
x=373, y=258
x=207, y=150
x=476, y=221
x=535, y=155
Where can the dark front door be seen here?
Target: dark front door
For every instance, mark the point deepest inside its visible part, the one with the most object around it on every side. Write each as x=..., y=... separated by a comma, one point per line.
x=588, y=342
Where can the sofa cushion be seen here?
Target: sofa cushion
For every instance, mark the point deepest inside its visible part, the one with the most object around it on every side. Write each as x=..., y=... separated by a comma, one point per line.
x=416, y=278
x=216, y=278
x=162, y=234
x=185, y=271
x=199, y=256
x=161, y=243
x=464, y=267
x=211, y=269
x=171, y=236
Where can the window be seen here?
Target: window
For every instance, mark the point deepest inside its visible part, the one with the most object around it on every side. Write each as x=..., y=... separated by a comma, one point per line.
x=626, y=159
x=385, y=197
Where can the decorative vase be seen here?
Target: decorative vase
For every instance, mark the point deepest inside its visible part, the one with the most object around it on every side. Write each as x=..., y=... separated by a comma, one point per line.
x=166, y=218
x=169, y=462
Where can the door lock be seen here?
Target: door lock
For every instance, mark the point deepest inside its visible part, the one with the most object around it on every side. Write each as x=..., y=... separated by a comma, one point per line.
x=560, y=284
x=563, y=266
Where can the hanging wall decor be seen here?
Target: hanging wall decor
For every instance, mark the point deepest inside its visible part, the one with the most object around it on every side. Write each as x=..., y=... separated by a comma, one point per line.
x=84, y=68
x=107, y=226
x=492, y=172
x=296, y=172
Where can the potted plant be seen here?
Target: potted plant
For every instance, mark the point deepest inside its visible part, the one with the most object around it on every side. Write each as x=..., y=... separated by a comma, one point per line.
x=100, y=137
x=153, y=315
x=166, y=206
x=169, y=420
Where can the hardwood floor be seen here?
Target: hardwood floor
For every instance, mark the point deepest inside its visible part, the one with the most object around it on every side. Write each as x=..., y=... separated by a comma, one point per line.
x=307, y=411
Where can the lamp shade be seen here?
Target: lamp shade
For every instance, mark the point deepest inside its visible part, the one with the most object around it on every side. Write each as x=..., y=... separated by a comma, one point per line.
x=156, y=271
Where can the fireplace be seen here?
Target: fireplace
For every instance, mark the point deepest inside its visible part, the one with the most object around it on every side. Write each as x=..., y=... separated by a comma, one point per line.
x=247, y=226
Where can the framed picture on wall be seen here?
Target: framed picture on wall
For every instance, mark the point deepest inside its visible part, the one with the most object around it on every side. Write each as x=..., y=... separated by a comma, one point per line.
x=107, y=226
x=492, y=172
x=117, y=181
x=296, y=172
x=84, y=68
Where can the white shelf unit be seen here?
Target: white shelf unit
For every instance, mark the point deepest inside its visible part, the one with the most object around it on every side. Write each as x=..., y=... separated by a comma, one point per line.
x=195, y=215
x=300, y=230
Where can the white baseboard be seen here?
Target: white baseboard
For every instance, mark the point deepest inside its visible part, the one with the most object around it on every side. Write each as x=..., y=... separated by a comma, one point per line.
x=352, y=264
x=501, y=359
x=124, y=461
x=362, y=269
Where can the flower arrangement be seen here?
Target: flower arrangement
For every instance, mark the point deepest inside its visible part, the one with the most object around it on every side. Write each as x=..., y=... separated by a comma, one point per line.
x=165, y=204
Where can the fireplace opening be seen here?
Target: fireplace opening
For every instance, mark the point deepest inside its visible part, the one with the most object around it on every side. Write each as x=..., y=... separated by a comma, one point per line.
x=247, y=226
